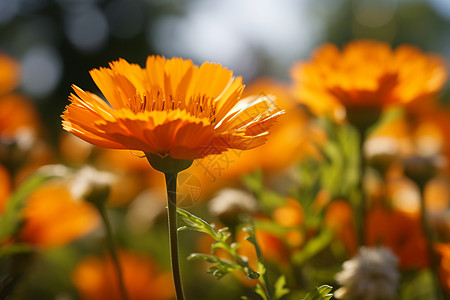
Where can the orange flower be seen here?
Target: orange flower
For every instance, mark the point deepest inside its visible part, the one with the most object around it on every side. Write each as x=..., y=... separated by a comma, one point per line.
x=289, y=215
x=9, y=74
x=444, y=271
x=5, y=187
x=401, y=233
x=95, y=279
x=17, y=113
x=170, y=108
x=272, y=247
x=366, y=74
x=339, y=217
x=53, y=218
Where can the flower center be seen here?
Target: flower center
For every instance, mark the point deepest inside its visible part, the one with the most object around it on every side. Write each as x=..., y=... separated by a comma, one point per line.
x=199, y=106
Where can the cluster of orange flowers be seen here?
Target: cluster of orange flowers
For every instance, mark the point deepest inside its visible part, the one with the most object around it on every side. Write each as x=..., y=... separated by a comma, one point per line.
x=173, y=108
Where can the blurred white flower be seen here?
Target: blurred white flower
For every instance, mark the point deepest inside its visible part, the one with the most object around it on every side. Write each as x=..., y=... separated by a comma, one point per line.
x=232, y=202
x=91, y=184
x=57, y=170
x=145, y=209
x=371, y=275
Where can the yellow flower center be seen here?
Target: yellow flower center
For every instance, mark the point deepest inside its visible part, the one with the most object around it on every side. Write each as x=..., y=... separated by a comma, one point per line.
x=201, y=107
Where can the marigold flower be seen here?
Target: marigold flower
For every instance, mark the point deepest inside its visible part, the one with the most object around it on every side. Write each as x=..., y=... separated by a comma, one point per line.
x=289, y=215
x=96, y=280
x=5, y=187
x=9, y=74
x=53, y=218
x=366, y=74
x=16, y=113
x=444, y=271
x=339, y=217
x=170, y=108
x=400, y=232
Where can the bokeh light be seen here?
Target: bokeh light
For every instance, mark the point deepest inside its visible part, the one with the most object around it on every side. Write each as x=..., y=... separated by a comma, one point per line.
x=41, y=70
x=87, y=29
x=241, y=35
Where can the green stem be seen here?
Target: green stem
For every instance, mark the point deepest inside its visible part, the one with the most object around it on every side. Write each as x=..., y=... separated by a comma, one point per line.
x=171, y=184
x=112, y=250
x=361, y=209
x=434, y=263
x=266, y=283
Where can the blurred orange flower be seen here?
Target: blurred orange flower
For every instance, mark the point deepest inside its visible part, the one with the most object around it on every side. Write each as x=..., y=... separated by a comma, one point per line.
x=272, y=247
x=95, y=279
x=5, y=187
x=17, y=112
x=444, y=272
x=9, y=74
x=291, y=216
x=170, y=108
x=339, y=217
x=366, y=74
x=21, y=150
x=401, y=233
x=53, y=218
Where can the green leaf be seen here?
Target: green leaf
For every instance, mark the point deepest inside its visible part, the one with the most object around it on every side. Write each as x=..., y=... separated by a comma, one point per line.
x=195, y=223
x=418, y=285
x=261, y=292
x=313, y=247
x=269, y=200
x=321, y=293
x=11, y=219
x=221, y=267
x=254, y=181
x=280, y=288
x=15, y=249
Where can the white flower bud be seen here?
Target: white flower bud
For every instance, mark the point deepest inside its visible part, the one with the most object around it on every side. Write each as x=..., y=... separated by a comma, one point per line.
x=371, y=275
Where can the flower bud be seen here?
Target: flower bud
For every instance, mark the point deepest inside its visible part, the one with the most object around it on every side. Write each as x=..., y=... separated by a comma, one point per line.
x=92, y=185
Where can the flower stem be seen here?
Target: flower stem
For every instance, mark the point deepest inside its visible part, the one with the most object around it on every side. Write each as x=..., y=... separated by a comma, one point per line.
x=171, y=184
x=361, y=209
x=112, y=250
x=434, y=264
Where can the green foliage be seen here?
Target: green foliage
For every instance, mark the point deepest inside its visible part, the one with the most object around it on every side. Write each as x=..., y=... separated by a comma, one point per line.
x=339, y=171
x=280, y=288
x=14, y=249
x=417, y=286
x=321, y=293
x=222, y=266
x=268, y=200
x=11, y=220
x=313, y=247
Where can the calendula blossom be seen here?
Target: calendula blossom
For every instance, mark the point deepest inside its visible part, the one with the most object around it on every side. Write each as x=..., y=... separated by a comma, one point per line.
x=366, y=74
x=9, y=74
x=169, y=108
x=173, y=111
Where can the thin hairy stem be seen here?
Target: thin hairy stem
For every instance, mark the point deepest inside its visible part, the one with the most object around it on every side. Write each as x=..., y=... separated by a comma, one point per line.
x=171, y=184
x=112, y=250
